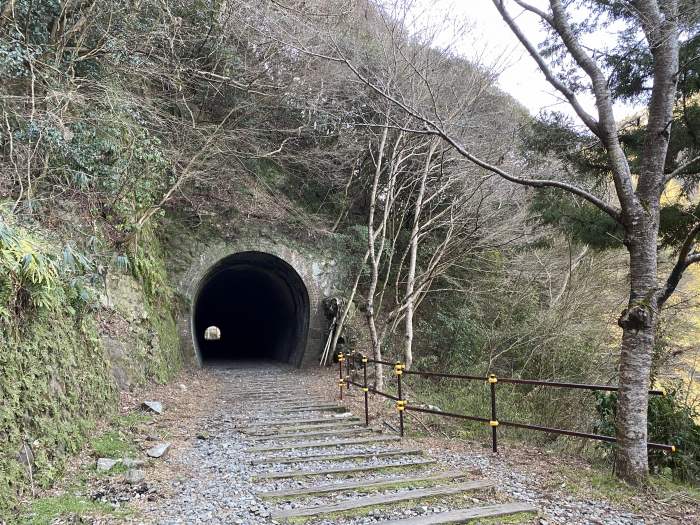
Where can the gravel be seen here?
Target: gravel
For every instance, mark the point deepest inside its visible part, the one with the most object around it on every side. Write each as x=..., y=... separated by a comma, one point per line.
x=217, y=484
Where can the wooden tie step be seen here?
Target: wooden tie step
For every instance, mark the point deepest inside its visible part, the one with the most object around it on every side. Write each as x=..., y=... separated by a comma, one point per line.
x=340, y=432
x=289, y=428
x=343, y=470
x=460, y=515
x=383, y=499
x=287, y=421
x=363, y=485
x=336, y=457
x=320, y=444
x=308, y=408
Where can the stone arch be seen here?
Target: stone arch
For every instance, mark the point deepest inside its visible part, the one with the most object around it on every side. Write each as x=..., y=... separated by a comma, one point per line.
x=314, y=281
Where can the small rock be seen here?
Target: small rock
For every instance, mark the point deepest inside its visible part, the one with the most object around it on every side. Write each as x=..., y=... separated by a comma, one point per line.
x=183, y=387
x=154, y=406
x=152, y=437
x=158, y=451
x=134, y=476
x=203, y=435
x=106, y=464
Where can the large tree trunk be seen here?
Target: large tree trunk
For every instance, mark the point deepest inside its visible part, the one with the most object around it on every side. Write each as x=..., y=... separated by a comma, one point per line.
x=638, y=322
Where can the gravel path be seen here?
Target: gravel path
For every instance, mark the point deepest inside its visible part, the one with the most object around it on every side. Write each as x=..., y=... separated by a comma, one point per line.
x=217, y=483
x=211, y=476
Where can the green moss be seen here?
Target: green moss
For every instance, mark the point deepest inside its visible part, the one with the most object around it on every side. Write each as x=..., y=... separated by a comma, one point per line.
x=149, y=269
x=56, y=380
x=55, y=383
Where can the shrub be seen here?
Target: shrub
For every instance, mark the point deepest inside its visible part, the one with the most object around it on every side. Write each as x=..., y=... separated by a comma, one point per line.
x=670, y=421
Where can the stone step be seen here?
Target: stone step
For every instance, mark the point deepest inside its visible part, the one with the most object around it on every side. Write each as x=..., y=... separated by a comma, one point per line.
x=383, y=499
x=339, y=432
x=362, y=485
x=280, y=460
x=321, y=444
x=343, y=470
x=461, y=515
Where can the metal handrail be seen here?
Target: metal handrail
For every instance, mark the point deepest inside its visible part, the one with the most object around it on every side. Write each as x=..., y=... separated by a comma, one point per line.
x=402, y=404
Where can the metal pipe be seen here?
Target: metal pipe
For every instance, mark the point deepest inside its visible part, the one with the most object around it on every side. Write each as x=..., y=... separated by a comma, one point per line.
x=537, y=382
x=494, y=420
x=447, y=414
x=574, y=433
x=340, y=369
x=401, y=403
x=365, y=389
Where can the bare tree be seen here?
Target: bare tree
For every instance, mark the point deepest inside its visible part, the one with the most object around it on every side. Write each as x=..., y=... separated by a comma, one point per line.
x=638, y=195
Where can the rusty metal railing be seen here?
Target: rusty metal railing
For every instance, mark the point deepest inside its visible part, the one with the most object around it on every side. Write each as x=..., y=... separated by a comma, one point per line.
x=348, y=362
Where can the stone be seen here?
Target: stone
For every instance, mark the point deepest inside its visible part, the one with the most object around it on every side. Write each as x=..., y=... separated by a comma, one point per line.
x=158, y=451
x=106, y=464
x=134, y=476
x=154, y=406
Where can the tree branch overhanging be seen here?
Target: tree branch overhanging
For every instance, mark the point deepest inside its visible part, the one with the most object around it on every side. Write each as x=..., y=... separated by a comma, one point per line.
x=434, y=128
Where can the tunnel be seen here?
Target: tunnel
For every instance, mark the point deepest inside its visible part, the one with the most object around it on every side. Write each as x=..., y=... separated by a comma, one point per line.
x=260, y=305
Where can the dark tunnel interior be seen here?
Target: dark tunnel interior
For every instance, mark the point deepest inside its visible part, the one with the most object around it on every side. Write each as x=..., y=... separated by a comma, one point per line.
x=260, y=305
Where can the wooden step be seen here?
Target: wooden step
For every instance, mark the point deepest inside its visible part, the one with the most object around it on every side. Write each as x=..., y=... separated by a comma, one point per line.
x=362, y=485
x=383, y=499
x=342, y=470
x=335, y=457
x=460, y=515
x=308, y=408
x=320, y=426
x=295, y=421
x=340, y=432
x=321, y=444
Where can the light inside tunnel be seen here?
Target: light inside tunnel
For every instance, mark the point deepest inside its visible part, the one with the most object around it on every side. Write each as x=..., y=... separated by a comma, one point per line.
x=260, y=305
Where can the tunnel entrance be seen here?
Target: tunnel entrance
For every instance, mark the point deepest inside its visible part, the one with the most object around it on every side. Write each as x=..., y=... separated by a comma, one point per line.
x=260, y=306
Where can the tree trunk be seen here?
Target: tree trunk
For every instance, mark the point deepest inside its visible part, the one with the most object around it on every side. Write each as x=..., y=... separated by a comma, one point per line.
x=412, y=259
x=638, y=322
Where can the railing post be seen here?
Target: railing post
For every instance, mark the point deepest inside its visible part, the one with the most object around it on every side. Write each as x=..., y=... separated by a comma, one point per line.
x=492, y=379
x=341, y=358
x=348, y=358
x=401, y=403
x=365, y=389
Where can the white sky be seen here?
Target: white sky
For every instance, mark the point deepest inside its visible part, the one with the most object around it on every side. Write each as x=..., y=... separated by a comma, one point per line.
x=492, y=39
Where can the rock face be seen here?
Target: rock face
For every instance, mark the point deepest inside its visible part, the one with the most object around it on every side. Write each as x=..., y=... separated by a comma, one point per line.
x=133, y=339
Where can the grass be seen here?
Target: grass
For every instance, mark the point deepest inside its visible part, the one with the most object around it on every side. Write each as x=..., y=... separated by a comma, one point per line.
x=45, y=511
x=112, y=444
x=132, y=420
x=604, y=485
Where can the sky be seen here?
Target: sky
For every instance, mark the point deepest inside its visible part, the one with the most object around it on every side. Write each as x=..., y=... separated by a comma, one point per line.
x=491, y=40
